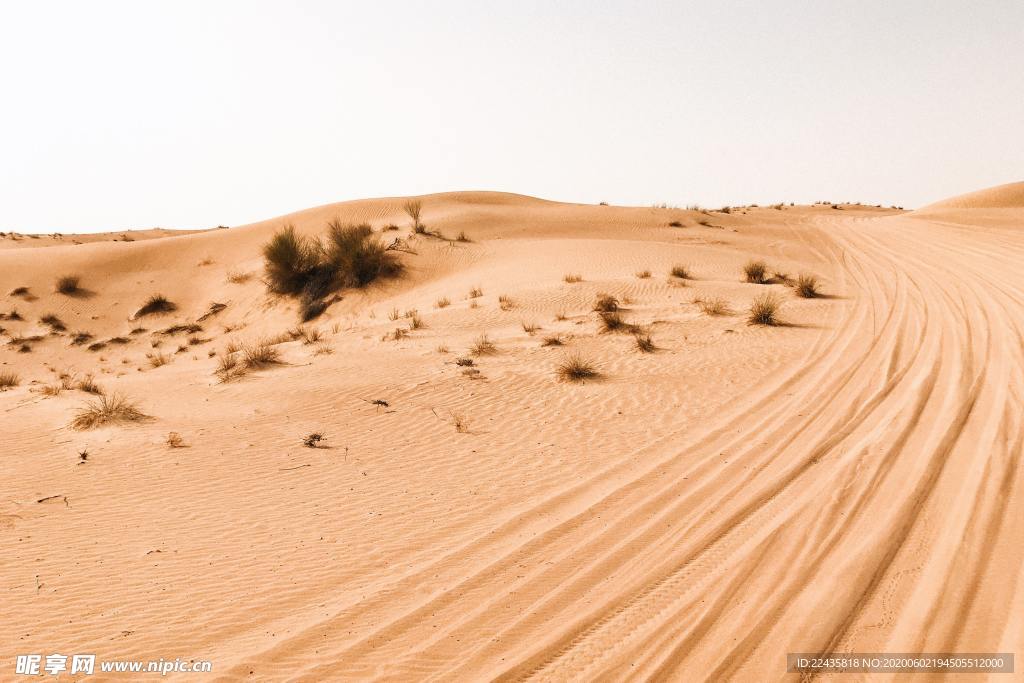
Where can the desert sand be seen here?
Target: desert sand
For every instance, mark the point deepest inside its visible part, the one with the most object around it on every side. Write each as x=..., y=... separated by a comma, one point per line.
x=848, y=480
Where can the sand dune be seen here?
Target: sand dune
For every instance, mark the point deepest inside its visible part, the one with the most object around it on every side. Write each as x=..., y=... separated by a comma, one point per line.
x=846, y=481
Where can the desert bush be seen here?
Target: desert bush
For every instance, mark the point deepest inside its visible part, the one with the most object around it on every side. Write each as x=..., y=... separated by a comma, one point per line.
x=552, y=340
x=807, y=286
x=89, y=386
x=680, y=272
x=174, y=440
x=460, y=422
x=394, y=314
x=463, y=237
x=712, y=306
x=764, y=310
x=157, y=359
x=442, y=348
x=290, y=261
x=464, y=362
x=322, y=349
x=50, y=390
x=68, y=284
x=644, y=343
x=97, y=346
x=613, y=322
x=54, y=323
x=8, y=379
x=476, y=293
x=416, y=322
x=80, y=337
x=443, y=302
x=675, y=224
x=157, y=303
x=483, y=346
x=575, y=368
x=572, y=278
x=756, y=272
x=355, y=257
x=228, y=368
x=105, y=410
x=20, y=291
x=414, y=209
x=529, y=328
x=237, y=277
x=560, y=316
x=643, y=274
x=505, y=302
x=606, y=303
x=260, y=353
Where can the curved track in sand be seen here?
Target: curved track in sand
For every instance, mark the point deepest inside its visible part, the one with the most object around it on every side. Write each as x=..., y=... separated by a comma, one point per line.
x=870, y=500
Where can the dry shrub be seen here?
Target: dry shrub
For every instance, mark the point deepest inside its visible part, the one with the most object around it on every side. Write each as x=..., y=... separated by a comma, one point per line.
x=643, y=274
x=443, y=302
x=8, y=379
x=53, y=322
x=606, y=303
x=483, y=346
x=575, y=368
x=530, y=328
x=764, y=310
x=505, y=302
x=174, y=440
x=414, y=209
x=157, y=303
x=475, y=293
x=89, y=386
x=572, y=278
x=807, y=287
x=644, y=343
x=680, y=272
x=157, y=359
x=237, y=277
x=68, y=285
x=613, y=322
x=756, y=272
x=107, y=410
x=712, y=305
x=259, y=354
x=553, y=340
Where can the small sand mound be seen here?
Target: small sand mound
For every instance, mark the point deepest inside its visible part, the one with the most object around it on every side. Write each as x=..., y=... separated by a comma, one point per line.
x=1009, y=196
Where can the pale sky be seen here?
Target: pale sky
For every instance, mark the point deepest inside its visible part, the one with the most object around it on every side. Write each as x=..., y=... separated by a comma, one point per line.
x=118, y=115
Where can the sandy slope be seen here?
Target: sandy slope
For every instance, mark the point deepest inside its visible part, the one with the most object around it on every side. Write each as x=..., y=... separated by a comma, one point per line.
x=848, y=482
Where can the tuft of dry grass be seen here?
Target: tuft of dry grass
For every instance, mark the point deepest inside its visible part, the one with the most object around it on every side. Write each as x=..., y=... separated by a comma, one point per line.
x=107, y=410
x=237, y=277
x=576, y=368
x=475, y=293
x=613, y=322
x=68, y=285
x=680, y=272
x=89, y=386
x=174, y=440
x=572, y=278
x=394, y=314
x=807, y=287
x=505, y=302
x=644, y=343
x=529, y=328
x=309, y=335
x=606, y=303
x=643, y=274
x=442, y=348
x=228, y=368
x=416, y=322
x=460, y=422
x=764, y=310
x=712, y=305
x=443, y=302
x=322, y=349
x=414, y=209
x=8, y=379
x=50, y=390
x=157, y=359
x=259, y=354
x=560, y=316
x=463, y=237
x=80, y=337
x=157, y=303
x=483, y=346
x=20, y=291
x=756, y=272
x=553, y=340
x=53, y=322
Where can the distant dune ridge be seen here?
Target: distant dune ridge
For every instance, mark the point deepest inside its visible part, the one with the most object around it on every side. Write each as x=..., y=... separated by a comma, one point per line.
x=564, y=442
x=1009, y=196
